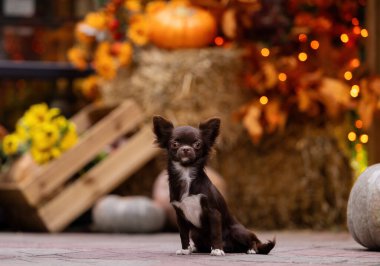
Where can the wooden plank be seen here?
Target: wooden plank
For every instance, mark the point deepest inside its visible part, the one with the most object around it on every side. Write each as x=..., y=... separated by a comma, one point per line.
x=103, y=178
x=123, y=119
x=83, y=119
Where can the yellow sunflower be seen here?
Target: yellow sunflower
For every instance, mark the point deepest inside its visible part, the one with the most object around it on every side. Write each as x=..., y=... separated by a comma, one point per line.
x=11, y=144
x=40, y=156
x=70, y=138
x=45, y=136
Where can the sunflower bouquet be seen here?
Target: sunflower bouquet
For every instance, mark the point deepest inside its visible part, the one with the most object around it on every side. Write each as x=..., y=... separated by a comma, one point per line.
x=42, y=131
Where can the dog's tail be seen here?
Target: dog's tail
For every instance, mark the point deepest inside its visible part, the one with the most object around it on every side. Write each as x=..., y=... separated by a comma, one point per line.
x=265, y=248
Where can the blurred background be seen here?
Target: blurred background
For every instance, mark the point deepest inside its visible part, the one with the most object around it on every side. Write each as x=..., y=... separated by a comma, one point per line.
x=295, y=83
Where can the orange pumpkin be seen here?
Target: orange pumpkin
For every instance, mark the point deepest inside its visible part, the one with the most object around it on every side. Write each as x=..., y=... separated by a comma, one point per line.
x=182, y=26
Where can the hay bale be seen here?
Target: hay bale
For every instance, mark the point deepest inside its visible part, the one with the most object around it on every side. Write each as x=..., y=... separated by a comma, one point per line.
x=298, y=179
x=186, y=86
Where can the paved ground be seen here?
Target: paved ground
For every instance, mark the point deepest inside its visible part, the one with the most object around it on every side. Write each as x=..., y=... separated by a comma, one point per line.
x=302, y=248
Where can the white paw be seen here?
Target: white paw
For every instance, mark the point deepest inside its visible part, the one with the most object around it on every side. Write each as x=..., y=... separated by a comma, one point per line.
x=183, y=252
x=192, y=249
x=217, y=252
x=251, y=251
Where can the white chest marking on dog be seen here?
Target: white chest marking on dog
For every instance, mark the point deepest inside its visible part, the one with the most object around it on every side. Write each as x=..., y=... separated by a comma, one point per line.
x=191, y=208
x=185, y=176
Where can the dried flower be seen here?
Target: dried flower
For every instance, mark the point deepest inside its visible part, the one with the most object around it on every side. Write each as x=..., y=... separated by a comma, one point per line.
x=138, y=32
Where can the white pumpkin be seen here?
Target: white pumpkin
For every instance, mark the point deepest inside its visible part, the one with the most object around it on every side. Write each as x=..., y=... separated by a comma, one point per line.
x=363, y=210
x=136, y=214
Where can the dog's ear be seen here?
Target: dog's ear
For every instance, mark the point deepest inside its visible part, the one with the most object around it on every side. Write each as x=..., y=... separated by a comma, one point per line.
x=163, y=129
x=210, y=130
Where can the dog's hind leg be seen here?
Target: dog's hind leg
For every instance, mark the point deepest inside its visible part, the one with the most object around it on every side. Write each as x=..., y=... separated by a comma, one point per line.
x=260, y=248
x=264, y=248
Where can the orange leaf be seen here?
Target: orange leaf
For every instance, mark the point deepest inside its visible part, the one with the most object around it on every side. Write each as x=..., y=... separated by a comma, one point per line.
x=251, y=122
x=335, y=95
x=275, y=117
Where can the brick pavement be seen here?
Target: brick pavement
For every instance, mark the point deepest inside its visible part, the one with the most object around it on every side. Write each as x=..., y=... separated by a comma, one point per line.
x=293, y=248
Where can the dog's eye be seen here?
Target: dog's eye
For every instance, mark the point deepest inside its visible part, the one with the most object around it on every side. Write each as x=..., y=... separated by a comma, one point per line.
x=197, y=145
x=175, y=145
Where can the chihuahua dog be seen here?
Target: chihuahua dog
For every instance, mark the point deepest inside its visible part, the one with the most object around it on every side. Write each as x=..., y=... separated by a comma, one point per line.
x=202, y=213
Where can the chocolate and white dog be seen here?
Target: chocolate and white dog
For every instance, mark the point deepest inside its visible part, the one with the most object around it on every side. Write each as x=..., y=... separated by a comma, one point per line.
x=202, y=213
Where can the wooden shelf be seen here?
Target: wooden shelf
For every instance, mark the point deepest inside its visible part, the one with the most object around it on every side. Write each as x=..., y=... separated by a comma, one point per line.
x=39, y=70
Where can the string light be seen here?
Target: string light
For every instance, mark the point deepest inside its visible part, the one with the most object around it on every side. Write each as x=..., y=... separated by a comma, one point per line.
x=351, y=136
x=265, y=52
x=344, y=38
x=364, y=138
x=348, y=75
x=356, y=30
x=264, y=100
x=282, y=77
x=302, y=37
x=302, y=57
x=364, y=33
x=314, y=44
x=354, y=92
x=359, y=124
x=354, y=63
x=219, y=41
x=355, y=21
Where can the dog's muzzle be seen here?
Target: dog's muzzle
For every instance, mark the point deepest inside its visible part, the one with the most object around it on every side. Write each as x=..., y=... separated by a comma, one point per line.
x=186, y=154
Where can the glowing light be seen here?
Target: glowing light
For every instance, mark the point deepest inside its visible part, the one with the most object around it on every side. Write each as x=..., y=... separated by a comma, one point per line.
x=354, y=92
x=344, y=38
x=264, y=100
x=359, y=124
x=351, y=136
x=355, y=22
x=302, y=57
x=314, y=44
x=364, y=138
x=282, y=76
x=356, y=30
x=364, y=33
x=355, y=63
x=265, y=52
x=348, y=75
x=219, y=41
x=302, y=37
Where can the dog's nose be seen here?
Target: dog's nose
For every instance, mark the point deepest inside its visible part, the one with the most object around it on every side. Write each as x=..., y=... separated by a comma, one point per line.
x=185, y=150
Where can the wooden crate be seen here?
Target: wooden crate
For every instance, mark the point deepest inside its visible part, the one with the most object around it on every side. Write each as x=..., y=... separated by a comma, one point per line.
x=46, y=198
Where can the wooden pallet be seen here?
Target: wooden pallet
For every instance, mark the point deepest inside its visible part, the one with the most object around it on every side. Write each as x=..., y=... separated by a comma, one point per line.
x=46, y=198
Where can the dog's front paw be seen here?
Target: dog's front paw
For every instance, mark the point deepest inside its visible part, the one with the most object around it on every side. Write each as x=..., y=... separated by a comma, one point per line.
x=217, y=252
x=251, y=251
x=183, y=252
